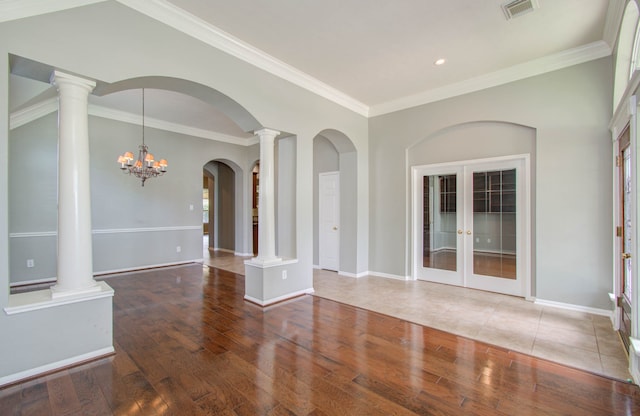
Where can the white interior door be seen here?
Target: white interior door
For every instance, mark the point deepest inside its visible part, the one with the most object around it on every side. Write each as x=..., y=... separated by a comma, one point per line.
x=439, y=222
x=329, y=220
x=495, y=227
x=471, y=224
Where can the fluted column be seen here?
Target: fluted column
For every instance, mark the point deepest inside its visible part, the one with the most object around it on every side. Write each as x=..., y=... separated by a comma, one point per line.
x=266, y=200
x=75, y=262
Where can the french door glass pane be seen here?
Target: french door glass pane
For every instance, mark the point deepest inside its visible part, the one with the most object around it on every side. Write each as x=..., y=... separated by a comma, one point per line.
x=439, y=239
x=494, y=223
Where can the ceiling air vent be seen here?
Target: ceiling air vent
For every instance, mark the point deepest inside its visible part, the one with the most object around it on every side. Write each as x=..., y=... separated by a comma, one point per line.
x=515, y=8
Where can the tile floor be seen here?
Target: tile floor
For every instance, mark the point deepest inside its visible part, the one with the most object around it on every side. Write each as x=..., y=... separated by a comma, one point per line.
x=577, y=339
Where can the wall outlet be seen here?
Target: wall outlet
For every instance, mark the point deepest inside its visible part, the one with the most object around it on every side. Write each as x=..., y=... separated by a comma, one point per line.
x=284, y=274
x=178, y=249
x=190, y=207
x=488, y=240
x=477, y=239
x=31, y=263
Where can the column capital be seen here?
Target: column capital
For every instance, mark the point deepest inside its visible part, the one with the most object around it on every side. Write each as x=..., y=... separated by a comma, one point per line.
x=59, y=78
x=266, y=133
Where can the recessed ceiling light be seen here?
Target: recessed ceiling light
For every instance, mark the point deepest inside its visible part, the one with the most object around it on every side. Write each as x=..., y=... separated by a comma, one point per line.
x=440, y=61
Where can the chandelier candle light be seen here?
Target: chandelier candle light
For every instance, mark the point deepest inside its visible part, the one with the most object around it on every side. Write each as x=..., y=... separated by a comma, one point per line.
x=146, y=166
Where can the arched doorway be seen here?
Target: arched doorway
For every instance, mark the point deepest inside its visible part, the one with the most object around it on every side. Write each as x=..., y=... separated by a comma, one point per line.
x=335, y=202
x=221, y=213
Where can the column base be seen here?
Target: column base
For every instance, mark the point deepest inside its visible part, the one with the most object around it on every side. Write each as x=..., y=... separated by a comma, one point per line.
x=58, y=292
x=262, y=262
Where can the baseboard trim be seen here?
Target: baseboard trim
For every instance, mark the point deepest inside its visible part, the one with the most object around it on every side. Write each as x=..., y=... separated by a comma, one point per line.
x=149, y=267
x=224, y=250
x=569, y=306
x=33, y=282
x=634, y=362
x=353, y=275
x=388, y=275
x=58, y=365
x=278, y=299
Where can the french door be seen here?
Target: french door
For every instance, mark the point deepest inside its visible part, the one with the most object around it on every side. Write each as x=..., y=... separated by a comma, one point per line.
x=626, y=233
x=471, y=224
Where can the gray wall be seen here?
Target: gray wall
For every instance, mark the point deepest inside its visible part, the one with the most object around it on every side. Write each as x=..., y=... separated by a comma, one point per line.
x=133, y=226
x=285, y=198
x=569, y=110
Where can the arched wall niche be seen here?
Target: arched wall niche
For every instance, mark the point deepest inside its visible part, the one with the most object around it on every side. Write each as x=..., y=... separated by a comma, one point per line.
x=473, y=140
x=335, y=151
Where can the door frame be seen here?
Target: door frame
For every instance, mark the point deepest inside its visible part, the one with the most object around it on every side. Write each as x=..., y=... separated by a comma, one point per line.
x=523, y=224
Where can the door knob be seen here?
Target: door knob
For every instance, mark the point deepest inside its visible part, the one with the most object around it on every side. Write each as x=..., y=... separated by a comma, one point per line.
x=459, y=231
x=468, y=232
x=335, y=228
x=626, y=256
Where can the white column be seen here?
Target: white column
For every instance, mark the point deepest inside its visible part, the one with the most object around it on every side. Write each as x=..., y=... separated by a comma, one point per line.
x=266, y=200
x=75, y=262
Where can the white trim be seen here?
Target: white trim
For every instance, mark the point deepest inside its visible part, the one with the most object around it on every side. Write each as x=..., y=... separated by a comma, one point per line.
x=67, y=362
x=571, y=307
x=33, y=112
x=34, y=234
x=224, y=250
x=634, y=361
x=126, y=117
x=257, y=264
x=388, y=276
x=112, y=231
x=613, y=21
x=148, y=230
x=33, y=282
x=19, y=9
x=42, y=299
x=175, y=17
x=279, y=298
x=354, y=275
x=560, y=60
x=315, y=266
x=243, y=254
x=28, y=114
x=636, y=345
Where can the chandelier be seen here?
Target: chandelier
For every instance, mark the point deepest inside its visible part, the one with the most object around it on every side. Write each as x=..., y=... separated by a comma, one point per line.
x=145, y=166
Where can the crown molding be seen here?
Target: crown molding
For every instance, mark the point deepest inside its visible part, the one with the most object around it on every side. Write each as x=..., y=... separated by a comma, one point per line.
x=169, y=14
x=19, y=9
x=177, y=18
x=155, y=123
x=564, y=59
x=33, y=112
x=43, y=108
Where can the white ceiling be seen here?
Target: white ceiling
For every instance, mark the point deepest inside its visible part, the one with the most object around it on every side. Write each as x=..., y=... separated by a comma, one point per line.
x=373, y=56
x=378, y=51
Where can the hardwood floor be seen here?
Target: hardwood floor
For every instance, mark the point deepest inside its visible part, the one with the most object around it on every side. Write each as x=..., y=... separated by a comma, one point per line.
x=188, y=344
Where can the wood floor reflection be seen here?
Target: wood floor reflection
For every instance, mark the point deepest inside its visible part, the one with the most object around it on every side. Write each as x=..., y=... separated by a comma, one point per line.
x=485, y=264
x=188, y=344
